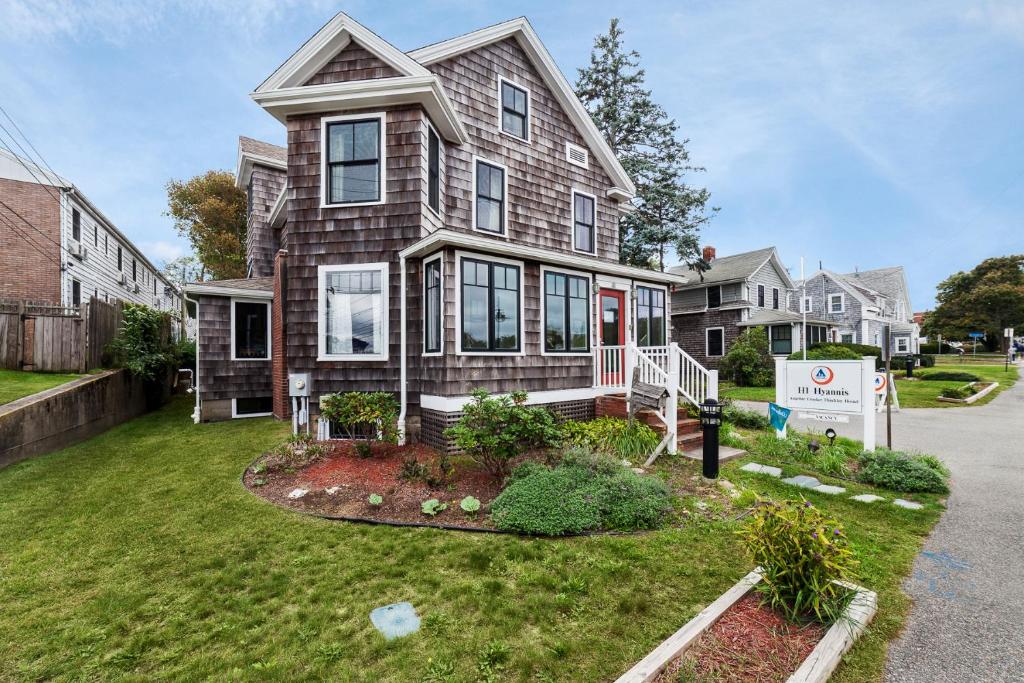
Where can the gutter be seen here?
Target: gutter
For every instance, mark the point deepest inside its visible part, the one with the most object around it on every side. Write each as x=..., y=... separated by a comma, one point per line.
x=403, y=360
x=195, y=413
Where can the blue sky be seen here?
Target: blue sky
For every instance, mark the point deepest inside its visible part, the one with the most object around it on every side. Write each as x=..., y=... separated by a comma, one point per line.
x=858, y=134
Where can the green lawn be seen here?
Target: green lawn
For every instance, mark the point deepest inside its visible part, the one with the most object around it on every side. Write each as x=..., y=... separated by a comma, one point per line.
x=15, y=384
x=139, y=555
x=912, y=394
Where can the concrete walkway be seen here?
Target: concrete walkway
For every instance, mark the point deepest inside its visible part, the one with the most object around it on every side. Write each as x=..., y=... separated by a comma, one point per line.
x=967, y=622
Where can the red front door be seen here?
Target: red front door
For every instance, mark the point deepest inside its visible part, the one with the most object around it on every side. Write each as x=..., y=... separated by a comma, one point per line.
x=613, y=333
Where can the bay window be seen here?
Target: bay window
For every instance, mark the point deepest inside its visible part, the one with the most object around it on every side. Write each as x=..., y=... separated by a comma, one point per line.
x=566, y=313
x=250, y=330
x=490, y=307
x=650, y=316
x=353, y=159
x=353, y=312
x=432, y=306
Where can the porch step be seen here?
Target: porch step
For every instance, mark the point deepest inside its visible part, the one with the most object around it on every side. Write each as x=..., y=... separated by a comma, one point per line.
x=689, y=442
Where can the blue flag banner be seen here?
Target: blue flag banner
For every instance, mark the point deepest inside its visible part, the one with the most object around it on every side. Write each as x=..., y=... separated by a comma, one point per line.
x=778, y=416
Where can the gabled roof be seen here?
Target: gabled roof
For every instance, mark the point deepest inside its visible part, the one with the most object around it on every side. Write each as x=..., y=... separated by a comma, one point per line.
x=733, y=268
x=284, y=92
x=889, y=282
x=252, y=152
x=857, y=292
x=523, y=32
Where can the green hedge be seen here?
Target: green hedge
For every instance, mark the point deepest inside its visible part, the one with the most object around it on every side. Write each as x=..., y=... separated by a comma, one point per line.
x=950, y=376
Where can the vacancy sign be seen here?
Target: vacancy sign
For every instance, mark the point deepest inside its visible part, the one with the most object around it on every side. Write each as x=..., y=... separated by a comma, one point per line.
x=828, y=386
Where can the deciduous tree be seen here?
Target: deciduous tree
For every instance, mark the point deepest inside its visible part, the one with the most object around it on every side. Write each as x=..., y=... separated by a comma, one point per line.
x=211, y=212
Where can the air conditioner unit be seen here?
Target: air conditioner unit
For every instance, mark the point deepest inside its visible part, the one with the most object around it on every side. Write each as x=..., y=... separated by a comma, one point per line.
x=137, y=289
x=78, y=251
x=123, y=279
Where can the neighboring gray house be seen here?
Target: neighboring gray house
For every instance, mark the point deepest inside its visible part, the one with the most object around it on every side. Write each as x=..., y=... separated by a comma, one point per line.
x=737, y=292
x=860, y=304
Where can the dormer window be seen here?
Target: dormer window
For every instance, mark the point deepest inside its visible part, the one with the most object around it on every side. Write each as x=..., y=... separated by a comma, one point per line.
x=515, y=102
x=353, y=154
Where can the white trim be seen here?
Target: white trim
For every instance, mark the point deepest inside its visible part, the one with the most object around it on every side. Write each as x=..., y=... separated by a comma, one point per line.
x=906, y=340
x=206, y=290
x=278, y=215
x=478, y=242
x=235, y=415
x=570, y=148
x=529, y=110
x=488, y=258
x=842, y=303
x=248, y=300
x=504, y=203
x=572, y=225
x=531, y=44
x=454, y=404
x=382, y=175
x=707, y=342
x=439, y=257
x=807, y=304
x=247, y=161
x=591, y=340
x=321, y=325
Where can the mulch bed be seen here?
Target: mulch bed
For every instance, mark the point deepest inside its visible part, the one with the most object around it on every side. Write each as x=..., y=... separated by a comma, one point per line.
x=356, y=478
x=749, y=643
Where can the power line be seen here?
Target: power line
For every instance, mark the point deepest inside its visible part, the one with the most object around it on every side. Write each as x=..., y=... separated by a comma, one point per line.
x=26, y=238
x=33, y=226
x=45, y=185
x=25, y=138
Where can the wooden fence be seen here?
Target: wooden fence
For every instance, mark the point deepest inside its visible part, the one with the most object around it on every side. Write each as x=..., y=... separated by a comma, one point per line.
x=52, y=338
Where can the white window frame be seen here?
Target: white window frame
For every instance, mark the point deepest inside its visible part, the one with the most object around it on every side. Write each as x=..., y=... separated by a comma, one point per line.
x=707, y=342
x=808, y=304
x=270, y=334
x=504, y=220
x=761, y=297
x=851, y=334
x=776, y=299
x=439, y=257
x=236, y=416
x=634, y=296
x=440, y=165
x=321, y=324
x=459, y=257
x=382, y=171
x=842, y=303
x=591, y=335
x=529, y=111
x=572, y=212
x=905, y=344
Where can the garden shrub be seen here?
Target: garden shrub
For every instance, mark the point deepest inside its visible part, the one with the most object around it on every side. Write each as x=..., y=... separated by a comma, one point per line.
x=957, y=392
x=748, y=362
x=801, y=552
x=949, y=376
x=142, y=344
x=612, y=435
x=495, y=430
x=827, y=352
x=900, y=471
x=832, y=459
x=368, y=416
x=742, y=417
x=581, y=495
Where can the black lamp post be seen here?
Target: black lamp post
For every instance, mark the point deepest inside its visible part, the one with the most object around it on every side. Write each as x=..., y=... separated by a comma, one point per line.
x=710, y=420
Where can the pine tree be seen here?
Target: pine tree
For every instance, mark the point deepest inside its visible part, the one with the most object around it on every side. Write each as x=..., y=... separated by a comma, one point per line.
x=669, y=212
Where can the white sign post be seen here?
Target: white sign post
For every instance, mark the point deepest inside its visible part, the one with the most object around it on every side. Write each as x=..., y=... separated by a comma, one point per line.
x=830, y=387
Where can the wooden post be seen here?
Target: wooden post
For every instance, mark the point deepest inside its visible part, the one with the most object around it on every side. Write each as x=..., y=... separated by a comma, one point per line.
x=20, y=343
x=672, y=408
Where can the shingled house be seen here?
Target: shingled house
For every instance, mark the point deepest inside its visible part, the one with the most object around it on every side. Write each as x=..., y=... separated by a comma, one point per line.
x=752, y=289
x=439, y=221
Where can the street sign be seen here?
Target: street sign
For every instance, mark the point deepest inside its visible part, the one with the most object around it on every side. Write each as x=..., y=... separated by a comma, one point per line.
x=976, y=335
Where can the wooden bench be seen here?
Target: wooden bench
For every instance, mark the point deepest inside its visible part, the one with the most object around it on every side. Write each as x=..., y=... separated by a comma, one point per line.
x=643, y=395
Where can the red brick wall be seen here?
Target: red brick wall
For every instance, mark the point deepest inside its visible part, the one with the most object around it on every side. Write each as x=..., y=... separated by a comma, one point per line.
x=278, y=350
x=25, y=272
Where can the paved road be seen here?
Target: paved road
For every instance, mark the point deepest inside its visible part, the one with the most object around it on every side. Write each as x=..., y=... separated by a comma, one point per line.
x=967, y=622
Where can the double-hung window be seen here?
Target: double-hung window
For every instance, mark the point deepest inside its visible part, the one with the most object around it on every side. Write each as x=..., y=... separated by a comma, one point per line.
x=490, y=307
x=354, y=167
x=760, y=296
x=119, y=259
x=433, y=170
x=250, y=330
x=353, y=312
x=650, y=316
x=76, y=293
x=715, y=342
x=808, y=304
x=715, y=296
x=490, y=198
x=76, y=225
x=135, y=271
x=515, y=115
x=775, y=298
x=432, y=306
x=566, y=313
x=583, y=221
x=782, y=339
x=835, y=303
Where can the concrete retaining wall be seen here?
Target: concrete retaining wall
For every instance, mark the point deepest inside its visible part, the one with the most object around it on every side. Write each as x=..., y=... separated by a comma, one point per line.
x=68, y=414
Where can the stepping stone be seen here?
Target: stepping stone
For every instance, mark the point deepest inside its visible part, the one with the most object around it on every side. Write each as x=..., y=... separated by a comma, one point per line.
x=829, y=489
x=395, y=621
x=803, y=481
x=762, y=469
x=297, y=493
x=868, y=498
x=908, y=504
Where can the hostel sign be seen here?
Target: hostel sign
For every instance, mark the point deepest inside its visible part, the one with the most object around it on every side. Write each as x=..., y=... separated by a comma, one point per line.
x=829, y=389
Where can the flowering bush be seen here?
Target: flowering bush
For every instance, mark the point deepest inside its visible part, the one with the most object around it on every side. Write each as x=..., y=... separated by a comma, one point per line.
x=802, y=552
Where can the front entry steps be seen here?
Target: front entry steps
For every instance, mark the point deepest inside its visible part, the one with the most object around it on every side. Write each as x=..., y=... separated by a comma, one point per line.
x=688, y=430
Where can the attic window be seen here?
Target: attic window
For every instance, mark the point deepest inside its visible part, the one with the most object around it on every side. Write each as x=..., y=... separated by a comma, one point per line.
x=576, y=155
x=515, y=116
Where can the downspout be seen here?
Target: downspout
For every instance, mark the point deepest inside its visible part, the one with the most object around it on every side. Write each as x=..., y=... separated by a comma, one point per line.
x=195, y=413
x=403, y=361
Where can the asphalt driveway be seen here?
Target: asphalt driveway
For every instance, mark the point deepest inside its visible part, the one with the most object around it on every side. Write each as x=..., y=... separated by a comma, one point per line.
x=967, y=622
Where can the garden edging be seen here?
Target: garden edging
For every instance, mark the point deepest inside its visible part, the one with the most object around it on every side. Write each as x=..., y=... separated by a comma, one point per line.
x=974, y=397
x=818, y=666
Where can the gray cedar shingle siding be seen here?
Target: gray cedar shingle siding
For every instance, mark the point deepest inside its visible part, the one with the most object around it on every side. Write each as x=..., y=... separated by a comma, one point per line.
x=689, y=332
x=219, y=376
x=768, y=276
x=260, y=242
x=354, y=63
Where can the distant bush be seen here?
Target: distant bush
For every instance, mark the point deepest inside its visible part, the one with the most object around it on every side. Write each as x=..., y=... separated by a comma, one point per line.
x=749, y=362
x=748, y=419
x=612, y=435
x=950, y=376
x=827, y=352
x=933, y=347
x=580, y=496
x=903, y=472
x=957, y=392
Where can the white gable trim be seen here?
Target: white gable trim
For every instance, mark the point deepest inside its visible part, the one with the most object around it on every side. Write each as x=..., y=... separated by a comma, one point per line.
x=547, y=68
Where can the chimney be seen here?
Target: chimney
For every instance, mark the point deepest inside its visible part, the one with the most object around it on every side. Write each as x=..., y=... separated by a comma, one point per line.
x=709, y=254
